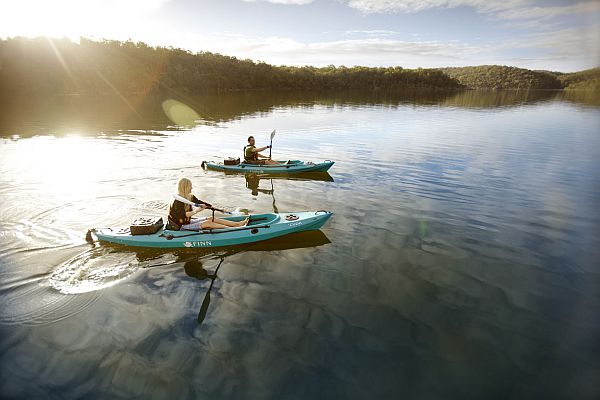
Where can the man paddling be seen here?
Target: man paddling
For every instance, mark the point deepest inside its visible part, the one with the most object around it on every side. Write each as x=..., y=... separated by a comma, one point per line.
x=252, y=154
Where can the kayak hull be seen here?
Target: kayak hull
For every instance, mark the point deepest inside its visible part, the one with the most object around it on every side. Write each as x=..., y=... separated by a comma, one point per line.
x=291, y=167
x=261, y=227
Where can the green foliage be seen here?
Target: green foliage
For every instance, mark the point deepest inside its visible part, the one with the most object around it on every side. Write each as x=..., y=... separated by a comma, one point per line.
x=582, y=80
x=59, y=66
x=502, y=77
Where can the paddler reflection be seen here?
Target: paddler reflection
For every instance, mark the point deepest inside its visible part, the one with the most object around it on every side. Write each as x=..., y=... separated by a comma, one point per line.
x=195, y=269
x=253, y=182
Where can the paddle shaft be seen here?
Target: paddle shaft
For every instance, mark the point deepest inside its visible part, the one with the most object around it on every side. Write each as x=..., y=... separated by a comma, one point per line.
x=209, y=206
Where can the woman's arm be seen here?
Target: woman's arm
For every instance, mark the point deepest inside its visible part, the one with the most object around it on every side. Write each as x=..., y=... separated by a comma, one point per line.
x=196, y=211
x=203, y=206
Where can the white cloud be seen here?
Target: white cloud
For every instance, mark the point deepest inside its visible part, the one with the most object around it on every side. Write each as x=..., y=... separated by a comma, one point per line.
x=544, y=13
x=565, y=49
x=373, y=33
x=364, y=51
x=286, y=2
x=503, y=9
x=569, y=42
x=529, y=12
x=376, y=6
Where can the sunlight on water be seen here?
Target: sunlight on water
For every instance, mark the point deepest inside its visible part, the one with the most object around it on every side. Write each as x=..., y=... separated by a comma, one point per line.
x=65, y=168
x=462, y=251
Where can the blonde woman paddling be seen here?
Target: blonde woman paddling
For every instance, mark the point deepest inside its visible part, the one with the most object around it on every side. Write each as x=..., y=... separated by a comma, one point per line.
x=180, y=214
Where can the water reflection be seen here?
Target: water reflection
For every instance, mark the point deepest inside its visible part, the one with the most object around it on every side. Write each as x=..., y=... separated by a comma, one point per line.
x=194, y=267
x=86, y=115
x=253, y=182
x=464, y=253
x=206, y=301
x=105, y=264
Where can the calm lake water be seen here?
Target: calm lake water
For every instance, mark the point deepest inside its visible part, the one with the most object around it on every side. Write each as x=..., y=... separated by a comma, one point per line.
x=461, y=260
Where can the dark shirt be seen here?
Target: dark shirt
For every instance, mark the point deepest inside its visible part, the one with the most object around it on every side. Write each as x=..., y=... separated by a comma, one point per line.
x=177, y=211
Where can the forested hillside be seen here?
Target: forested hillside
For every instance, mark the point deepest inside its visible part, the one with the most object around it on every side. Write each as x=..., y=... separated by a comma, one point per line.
x=502, y=77
x=61, y=66
x=582, y=80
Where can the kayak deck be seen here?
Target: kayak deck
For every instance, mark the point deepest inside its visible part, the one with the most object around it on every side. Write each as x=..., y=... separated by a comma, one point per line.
x=285, y=167
x=260, y=227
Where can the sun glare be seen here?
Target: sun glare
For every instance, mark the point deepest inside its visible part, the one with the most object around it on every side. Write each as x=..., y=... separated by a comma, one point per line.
x=110, y=19
x=61, y=168
x=180, y=113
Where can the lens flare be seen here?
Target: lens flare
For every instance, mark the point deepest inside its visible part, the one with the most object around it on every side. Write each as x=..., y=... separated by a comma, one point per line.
x=180, y=114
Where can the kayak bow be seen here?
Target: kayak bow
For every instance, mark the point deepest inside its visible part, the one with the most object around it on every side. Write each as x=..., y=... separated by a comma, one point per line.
x=261, y=227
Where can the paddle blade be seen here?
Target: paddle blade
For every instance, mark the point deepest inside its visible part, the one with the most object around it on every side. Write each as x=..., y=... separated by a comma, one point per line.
x=273, y=134
x=204, y=308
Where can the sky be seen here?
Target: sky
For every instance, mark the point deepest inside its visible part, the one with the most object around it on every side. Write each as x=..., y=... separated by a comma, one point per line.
x=558, y=35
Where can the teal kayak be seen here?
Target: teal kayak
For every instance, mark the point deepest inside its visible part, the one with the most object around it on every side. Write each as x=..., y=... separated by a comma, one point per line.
x=260, y=227
x=285, y=167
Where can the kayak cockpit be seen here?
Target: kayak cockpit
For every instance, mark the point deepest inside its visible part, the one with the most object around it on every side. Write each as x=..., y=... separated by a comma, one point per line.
x=255, y=220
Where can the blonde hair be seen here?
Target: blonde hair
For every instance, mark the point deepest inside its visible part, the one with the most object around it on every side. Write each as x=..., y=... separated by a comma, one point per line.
x=184, y=189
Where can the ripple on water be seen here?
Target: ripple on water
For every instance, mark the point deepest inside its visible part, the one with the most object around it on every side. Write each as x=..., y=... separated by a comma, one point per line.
x=93, y=270
x=102, y=210
x=32, y=302
x=43, y=260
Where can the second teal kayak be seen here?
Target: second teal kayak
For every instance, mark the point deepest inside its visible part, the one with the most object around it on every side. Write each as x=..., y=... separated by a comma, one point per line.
x=285, y=167
x=261, y=227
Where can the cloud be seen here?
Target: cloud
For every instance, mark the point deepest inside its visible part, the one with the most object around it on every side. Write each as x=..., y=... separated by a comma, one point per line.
x=375, y=46
x=381, y=51
x=562, y=49
x=373, y=33
x=407, y=6
x=544, y=13
x=568, y=42
x=503, y=9
x=526, y=13
x=285, y=2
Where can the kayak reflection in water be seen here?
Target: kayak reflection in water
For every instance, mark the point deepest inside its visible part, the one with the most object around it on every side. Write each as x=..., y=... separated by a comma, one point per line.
x=180, y=214
x=252, y=155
